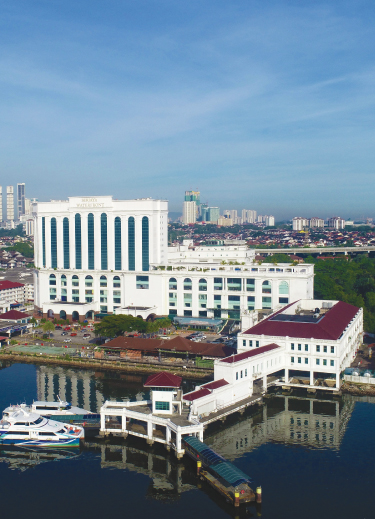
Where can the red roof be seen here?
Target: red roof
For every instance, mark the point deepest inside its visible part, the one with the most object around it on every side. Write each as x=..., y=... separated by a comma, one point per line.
x=14, y=315
x=163, y=379
x=329, y=327
x=2, y=338
x=197, y=394
x=216, y=384
x=6, y=285
x=251, y=353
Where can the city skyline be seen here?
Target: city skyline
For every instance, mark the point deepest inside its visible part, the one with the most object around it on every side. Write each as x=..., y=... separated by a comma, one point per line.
x=260, y=105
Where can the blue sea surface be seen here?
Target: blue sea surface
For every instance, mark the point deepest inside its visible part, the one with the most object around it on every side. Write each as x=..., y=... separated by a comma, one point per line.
x=311, y=461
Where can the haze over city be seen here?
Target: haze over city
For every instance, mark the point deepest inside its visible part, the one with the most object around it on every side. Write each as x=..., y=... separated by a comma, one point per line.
x=266, y=105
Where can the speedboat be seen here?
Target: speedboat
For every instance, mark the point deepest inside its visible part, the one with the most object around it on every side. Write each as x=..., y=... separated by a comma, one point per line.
x=21, y=427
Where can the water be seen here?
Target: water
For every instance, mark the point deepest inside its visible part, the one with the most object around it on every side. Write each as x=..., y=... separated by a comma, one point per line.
x=313, y=459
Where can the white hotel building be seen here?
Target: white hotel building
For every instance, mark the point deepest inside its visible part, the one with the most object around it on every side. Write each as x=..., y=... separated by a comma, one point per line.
x=99, y=255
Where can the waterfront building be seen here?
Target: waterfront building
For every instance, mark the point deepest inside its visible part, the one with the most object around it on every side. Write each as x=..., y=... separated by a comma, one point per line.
x=10, y=203
x=99, y=255
x=21, y=199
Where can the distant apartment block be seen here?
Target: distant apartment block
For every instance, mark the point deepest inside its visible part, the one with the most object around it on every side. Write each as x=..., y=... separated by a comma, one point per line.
x=300, y=223
x=249, y=216
x=10, y=203
x=336, y=223
x=189, y=212
x=21, y=199
x=316, y=222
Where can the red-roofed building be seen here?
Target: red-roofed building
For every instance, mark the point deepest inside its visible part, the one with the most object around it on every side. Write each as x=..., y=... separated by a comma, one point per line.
x=11, y=293
x=166, y=395
x=14, y=316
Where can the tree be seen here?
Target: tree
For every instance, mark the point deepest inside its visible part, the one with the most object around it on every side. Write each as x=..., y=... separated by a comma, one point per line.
x=48, y=327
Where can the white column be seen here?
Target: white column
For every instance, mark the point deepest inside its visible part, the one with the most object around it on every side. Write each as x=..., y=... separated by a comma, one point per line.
x=311, y=378
x=286, y=375
x=168, y=435
x=123, y=421
x=72, y=243
x=102, y=421
x=338, y=380
x=150, y=429
x=200, y=435
x=84, y=241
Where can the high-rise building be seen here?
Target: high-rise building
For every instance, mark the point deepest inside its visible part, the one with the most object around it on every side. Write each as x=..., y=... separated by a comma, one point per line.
x=336, y=223
x=249, y=216
x=189, y=212
x=213, y=214
x=203, y=213
x=10, y=203
x=269, y=220
x=299, y=223
x=316, y=222
x=21, y=199
x=1, y=203
x=230, y=213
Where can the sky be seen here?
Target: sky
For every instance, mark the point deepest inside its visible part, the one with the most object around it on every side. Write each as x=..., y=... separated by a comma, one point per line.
x=265, y=105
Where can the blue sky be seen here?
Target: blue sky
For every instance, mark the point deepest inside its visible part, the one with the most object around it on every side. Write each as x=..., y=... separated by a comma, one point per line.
x=265, y=105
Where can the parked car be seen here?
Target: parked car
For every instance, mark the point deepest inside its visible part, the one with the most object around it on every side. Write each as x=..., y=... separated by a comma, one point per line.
x=218, y=341
x=57, y=327
x=67, y=328
x=73, y=334
x=67, y=340
x=86, y=335
x=64, y=333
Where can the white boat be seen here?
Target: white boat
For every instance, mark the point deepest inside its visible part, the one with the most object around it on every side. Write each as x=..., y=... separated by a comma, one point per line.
x=21, y=427
x=60, y=411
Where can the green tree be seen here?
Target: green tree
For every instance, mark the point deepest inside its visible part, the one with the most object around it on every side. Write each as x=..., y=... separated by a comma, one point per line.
x=48, y=327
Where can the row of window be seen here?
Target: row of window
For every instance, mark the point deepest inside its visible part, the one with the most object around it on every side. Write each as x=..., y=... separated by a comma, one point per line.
x=305, y=347
x=91, y=242
x=241, y=374
x=89, y=281
x=324, y=424
x=318, y=362
x=234, y=302
x=233, y=284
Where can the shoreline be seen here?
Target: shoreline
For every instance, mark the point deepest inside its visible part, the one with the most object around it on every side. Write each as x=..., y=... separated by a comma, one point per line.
x=106, y=365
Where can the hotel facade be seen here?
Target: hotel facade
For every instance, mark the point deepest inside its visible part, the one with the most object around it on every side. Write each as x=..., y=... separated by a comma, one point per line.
x=98, y=255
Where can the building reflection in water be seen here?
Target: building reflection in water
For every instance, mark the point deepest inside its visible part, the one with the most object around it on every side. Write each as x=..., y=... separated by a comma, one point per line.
x=313, y=423
x=21, y=460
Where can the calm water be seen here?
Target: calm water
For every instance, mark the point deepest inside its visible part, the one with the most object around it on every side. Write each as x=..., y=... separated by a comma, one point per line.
x=312, y=459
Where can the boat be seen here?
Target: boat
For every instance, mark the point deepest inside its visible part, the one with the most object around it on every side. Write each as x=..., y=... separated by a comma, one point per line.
x=61, y=411
x=28, y=429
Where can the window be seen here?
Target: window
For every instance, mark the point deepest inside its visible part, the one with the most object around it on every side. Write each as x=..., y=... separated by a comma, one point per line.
x=284, y=300
x=292, y=346
x=332, y=362
x=90, y=241
x=266, y=303
x=234, y=284
x=234, y=302
x=161, y=406
x=299, y=360
x=187, y=284
x=306, y=360
x=103, y=281
x=251, y=344
x=131, y=243
x=218, y=283
x=202, y=285
x=188, y=313
x=78, y=241
x=241, y=374
x=236, y=375
x=117, y=296
x=66, y=243
x=53, y=244
x=300, y=347
x=324, y=349
x=202, y=313
x=217, y=302
x=75, y=281
x=52, y=279
x=202, y=300
x=75, y=295
x=103, y=296
x=292, y=360
x=88, y=281
x=118, y=262
x=317, y=362
x=145, y=244
x=317, y=348
x=244, y=342
x=172, y=284
x=103, y=309
x=250, y=302
x=63, y=281
x=103, y=242
x=250, y=285
x=44, y=240
x=283, y=287
x=257, y=344
x=332, y=349
x=266, y=287
x=324, y=362
x=306, y=347
x=245, y=372
x=142, y=282
x=116, y=282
